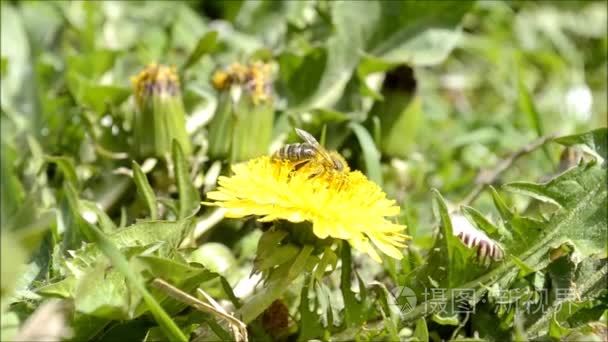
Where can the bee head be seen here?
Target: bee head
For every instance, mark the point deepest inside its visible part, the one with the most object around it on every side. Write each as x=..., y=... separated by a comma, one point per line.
x=338, y=164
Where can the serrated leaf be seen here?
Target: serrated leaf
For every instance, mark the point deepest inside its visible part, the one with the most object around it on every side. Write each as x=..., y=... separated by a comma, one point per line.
x=524, y=230
x=482, y=222
x=64, y=288
x=173, y=271
x=275, y=286
x=538, y=191
x=581, y=223
x=102, y=292
x=596, y=140
x=168, y=326
x=149, y=232
x=581, y=193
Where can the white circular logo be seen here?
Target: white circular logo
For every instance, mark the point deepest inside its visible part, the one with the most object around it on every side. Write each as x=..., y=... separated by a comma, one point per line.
x=405, y=298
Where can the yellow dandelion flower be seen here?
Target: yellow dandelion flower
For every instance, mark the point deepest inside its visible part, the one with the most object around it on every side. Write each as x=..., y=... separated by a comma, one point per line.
x=343, y=205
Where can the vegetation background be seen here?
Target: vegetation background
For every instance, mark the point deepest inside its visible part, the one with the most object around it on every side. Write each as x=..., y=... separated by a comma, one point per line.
x=453, y=107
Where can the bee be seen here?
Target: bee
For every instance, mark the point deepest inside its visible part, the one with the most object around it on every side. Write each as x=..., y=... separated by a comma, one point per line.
x=311, y=152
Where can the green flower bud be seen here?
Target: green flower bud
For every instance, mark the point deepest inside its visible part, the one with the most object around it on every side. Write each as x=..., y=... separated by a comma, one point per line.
x=160, y=115
x=241, y=128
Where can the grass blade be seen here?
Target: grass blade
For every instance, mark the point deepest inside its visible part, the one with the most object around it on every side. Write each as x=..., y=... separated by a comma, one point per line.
x=145, y=190
x=188, y=195
x=371, y=155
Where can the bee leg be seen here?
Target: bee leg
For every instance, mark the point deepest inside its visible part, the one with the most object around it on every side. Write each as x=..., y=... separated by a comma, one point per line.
x=299, y=164
x=319, y=170
x=341, y=182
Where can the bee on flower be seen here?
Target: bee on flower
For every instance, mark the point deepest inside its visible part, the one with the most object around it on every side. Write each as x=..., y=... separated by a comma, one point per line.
x=305, y=183
x=310, y=152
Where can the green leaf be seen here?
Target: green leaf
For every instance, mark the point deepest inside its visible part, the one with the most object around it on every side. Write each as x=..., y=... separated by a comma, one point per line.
x=562, y=191
x=206, y=44
x=449, y=251
x=215, y=256
x=311, y=326
x=596, y=140
x=582, y=222
x=524, y=230
x=172, y=271
x=524, y=269
x=228, y=291
x=102, y=292
x=421, y=333
x=170, y=329
x=278, y=283
x=16, y=51
x=67, y=166
x=13, y=263
x=371, y=155
x=91, y=65
x=145, y=190
x=189, y=200
x=102, y=98
x=401, y=116
x=417, y=33
x=64, y=288
x=481, y=222
x=581, y=193
x=147, y=233
x=11, y=188
x=527, y=106
x=354, y=310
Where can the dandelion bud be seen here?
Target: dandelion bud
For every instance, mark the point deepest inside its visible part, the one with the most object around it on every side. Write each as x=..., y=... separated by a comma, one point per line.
x=160, y=115
x=241, y=128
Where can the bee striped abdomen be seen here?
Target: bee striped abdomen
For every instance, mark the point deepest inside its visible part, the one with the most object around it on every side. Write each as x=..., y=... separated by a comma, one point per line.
x=296, y=152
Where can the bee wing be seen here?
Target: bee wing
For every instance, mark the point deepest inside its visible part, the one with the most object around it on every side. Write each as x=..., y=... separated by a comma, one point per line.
x=308, y=138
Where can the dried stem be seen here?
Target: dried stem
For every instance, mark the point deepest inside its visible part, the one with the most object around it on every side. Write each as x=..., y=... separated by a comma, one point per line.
x=238, y=327
x=489, y=177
